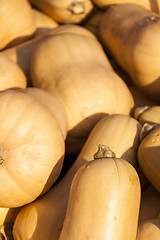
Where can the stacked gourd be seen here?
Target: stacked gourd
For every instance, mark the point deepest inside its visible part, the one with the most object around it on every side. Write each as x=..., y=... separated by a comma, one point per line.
x=79, y=120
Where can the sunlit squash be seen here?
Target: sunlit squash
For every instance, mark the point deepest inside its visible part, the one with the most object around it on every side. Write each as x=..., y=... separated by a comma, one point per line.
x=149, y=4
x=131, y=35
x=149, y=155
x=65, y=11
x=119, y=132
x=104, y=200
x=11, y=75
x=148, y=114
x=17, y=22
x=82, y=78
x=149, y=230
x=31, y=149
x=52, y=103
x=21, y=54
x=150, y=204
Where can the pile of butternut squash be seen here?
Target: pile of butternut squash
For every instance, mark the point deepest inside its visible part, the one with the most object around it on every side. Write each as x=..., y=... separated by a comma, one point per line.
x=79, y=120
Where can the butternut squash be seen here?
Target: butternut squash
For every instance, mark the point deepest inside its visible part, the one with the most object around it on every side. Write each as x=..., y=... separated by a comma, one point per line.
x=148, y=114
x=65, y=11
x=149, y=230
x=149, y=4
x=11, y=75
x=31, y=149
x=104, y=200
x=21, y=54
x=148, y=157
x=131, y=35
x=17, y=22
x=81, y=78
x=119, y=132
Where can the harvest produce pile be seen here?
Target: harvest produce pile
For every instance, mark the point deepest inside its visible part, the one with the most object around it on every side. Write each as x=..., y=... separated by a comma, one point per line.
x=79, y=120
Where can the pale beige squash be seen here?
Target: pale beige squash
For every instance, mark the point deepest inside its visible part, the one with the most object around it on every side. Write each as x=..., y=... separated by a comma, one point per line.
x=11, y=75
x=119, y=132
x=17, y=22
x=81, y=76
x=153, y=5
x=21, y=54
x=31, y=149
x=148, y=156
x=65, y=11
x=104, y=200
x=53, y=104
x=131, y=35
x=149, y=230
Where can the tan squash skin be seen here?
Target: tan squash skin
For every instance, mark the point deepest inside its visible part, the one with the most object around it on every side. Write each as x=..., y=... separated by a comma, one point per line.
x=132, y=37
x=51, y=207
x=17, y=23
x=65, y=11
x=148, y=114
x=11, y=75
x=150, y=204
x=53, y=104
x=149, y=4
x=81, y=77
x=103, y=202
x=31, y=149
x=43, y=22
x=148, y=157
x=21, y=54
x=149, y=230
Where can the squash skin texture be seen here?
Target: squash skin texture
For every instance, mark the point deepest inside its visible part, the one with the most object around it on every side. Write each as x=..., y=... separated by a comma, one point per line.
x=148, y=157
x=99, y=194
x=31, y=149
x=130, y=33
x=21, y=53
x=65, y=11
x=51, y=207
x=17, y=23
x=66, y=76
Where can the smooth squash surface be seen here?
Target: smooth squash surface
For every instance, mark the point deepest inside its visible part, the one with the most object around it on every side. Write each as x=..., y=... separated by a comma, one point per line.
x=131, y=34
x=51, y=208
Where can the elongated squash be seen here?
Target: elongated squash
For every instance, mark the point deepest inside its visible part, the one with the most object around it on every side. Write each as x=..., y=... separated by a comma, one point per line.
x=65, y=11
x=119, y=132
x=149, y=4
x=148, y=114
x=104, y=200
x=131, y=34
x=149, y=230
x=83, y=79
x=148, y=157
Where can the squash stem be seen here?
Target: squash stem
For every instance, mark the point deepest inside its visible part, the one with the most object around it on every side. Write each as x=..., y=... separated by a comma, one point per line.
x=104, y=152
